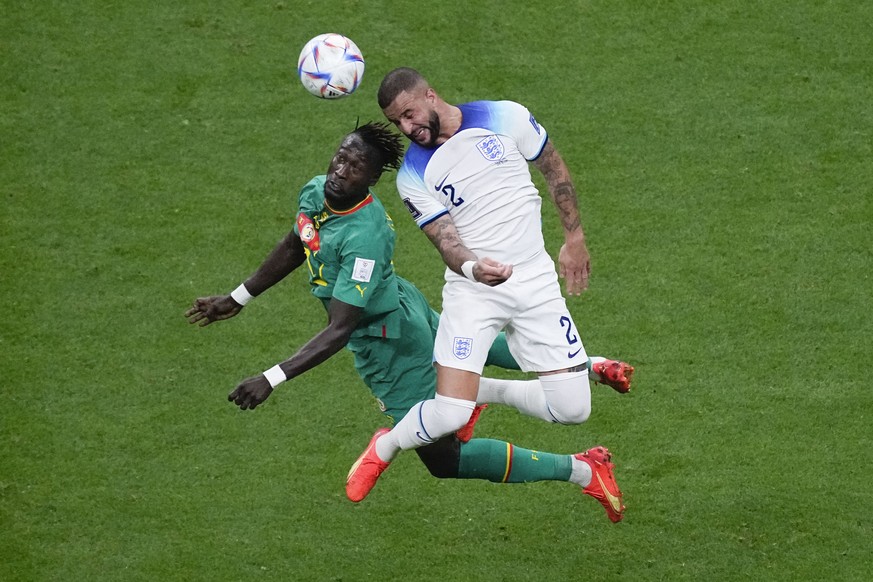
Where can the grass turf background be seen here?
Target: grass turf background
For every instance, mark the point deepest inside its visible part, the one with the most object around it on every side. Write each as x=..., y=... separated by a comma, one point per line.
x=149, y=154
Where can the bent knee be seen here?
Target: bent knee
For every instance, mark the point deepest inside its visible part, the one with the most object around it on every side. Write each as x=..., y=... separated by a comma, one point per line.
x=568, y=396
x=575, y=415
x=450, y=415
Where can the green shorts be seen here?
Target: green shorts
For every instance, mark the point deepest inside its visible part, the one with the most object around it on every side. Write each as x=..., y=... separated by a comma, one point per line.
x=400, y=372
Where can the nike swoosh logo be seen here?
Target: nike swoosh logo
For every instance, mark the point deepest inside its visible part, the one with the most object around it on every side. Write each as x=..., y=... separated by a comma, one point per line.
x=572, y=355
x=359, y=461
x=422, y=437
x=440, y=187
x=613, y=500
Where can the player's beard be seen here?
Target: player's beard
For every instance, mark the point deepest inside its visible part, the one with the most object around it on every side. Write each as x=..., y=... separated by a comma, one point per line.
x=433, y=126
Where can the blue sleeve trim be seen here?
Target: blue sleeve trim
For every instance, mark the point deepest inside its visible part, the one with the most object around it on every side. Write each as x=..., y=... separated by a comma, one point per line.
x=539, y=153
x=431, y=219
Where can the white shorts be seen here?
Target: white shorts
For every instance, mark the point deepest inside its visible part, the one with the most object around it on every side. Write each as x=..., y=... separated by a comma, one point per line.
x=528, y=306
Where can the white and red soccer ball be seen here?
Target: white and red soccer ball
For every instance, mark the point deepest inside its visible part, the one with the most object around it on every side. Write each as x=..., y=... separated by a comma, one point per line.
x=330, y=66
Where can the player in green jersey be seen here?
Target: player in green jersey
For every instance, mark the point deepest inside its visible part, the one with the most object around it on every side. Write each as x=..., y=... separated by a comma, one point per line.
x=346, y=240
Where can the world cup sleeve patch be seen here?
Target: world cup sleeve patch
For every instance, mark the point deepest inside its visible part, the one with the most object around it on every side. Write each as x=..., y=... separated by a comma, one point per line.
x=534, y=123
x=415, y=212
x=363, y=270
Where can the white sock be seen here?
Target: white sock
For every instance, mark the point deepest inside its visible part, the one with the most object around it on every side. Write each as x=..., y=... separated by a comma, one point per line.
x=568, y=396
x=524, y=395
x=581, y=473
x=426, y=422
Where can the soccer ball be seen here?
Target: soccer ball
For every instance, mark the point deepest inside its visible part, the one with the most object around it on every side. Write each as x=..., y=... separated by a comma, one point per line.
x=330, y=66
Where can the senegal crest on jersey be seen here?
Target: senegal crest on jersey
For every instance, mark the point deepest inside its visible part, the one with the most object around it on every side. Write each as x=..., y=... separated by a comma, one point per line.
x=308, y=232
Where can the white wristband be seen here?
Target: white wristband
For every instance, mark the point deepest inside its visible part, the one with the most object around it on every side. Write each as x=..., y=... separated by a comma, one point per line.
x=241, y=295
x=467, y=270
x=275, y=376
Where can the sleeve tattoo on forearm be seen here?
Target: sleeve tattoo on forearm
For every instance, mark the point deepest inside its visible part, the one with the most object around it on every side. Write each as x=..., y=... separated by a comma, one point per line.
x=448, y=242
x=564, y=195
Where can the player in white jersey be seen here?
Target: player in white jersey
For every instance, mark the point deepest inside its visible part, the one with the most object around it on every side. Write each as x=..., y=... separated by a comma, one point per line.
x=466, y=181
x=478, y=182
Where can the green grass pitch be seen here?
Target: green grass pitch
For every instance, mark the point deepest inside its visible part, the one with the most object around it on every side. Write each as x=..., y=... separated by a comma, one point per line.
x=150, y=152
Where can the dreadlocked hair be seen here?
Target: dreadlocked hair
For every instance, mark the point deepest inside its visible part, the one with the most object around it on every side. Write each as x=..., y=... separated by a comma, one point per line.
x=384, y=142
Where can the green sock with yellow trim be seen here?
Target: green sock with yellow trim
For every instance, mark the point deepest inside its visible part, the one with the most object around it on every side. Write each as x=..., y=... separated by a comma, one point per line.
x=503, y=462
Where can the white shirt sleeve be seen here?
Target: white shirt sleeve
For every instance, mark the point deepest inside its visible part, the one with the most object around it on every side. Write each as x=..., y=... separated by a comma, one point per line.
x=521, y=125
x=422, y=206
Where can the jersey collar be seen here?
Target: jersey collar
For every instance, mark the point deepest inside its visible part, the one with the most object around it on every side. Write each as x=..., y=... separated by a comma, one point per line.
x=354, y=208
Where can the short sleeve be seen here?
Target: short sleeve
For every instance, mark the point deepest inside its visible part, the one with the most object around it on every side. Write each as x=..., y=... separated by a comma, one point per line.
x=523, y=127
x=423, y=207
x=307, y=199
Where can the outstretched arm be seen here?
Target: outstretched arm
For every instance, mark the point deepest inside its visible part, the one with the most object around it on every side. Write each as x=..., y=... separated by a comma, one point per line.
x=343, y=319
x=573, y=259
x=287, y=256
x=444, y=236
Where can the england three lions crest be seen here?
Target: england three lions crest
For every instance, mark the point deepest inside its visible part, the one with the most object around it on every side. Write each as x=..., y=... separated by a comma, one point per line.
x=462, y=347
x=491, y=148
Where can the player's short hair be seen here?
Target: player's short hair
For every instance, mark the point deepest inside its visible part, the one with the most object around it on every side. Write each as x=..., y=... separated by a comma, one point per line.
x=383, y=142
x=396, y=82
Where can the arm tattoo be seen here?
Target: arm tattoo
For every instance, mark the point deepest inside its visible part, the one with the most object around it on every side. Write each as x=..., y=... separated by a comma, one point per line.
x=444, y=236
x=564, y=195
x=560, y=186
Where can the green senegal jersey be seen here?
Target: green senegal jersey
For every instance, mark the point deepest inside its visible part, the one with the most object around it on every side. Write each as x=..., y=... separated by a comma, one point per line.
x=348, y=255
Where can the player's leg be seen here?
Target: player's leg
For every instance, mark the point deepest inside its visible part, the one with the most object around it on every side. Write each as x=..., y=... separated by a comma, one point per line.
x=425, y=423
x=397, y=377
x=543, y=337
x=613, y=373
x=568, y=395
x=496, y=461
x=399, y=373
x=466, y=332
x=513, y=393
x=524, y=395
x=502, y=462
x=527, y=396
x=564, y=394
x=429, y=420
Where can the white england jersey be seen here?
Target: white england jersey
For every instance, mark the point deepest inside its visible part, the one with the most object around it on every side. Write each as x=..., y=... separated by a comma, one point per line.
x=481, y=178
